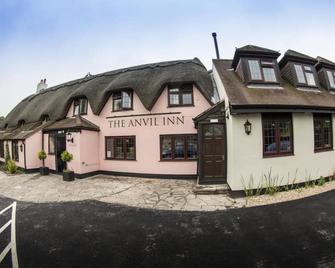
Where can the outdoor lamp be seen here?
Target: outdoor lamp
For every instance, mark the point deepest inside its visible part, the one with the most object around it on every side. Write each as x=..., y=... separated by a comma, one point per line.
x=247, y=127
x=21, y=147
x=69, y=137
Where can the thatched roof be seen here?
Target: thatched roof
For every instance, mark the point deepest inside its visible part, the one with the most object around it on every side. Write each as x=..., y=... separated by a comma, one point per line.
x=147, y=81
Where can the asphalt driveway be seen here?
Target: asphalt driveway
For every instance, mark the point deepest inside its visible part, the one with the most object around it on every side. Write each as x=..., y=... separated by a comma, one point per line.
x=300, y=233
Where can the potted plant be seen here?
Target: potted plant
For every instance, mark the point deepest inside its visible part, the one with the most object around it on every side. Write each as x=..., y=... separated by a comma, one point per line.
x=42, y=156
x=66, y=157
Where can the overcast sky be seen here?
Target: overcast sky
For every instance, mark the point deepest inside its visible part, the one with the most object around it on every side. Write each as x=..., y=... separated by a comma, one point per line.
x=62, y=40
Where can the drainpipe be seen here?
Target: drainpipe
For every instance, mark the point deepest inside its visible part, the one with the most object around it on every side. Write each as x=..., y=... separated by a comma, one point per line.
x=24, y=154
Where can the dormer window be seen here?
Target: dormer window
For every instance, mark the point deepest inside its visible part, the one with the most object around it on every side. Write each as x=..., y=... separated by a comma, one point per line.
x=122, y=100
x=262, y=70
x=305, y=74
x=331, y=78
x=180, y=96
x=80, y=106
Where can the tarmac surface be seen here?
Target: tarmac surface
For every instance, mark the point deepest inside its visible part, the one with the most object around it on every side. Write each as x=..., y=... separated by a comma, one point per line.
x=90, y=233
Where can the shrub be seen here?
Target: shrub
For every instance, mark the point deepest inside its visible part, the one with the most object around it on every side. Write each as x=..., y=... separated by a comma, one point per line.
x=42, y=155
x=66, y=156
x=11, y=166
x=321, y=181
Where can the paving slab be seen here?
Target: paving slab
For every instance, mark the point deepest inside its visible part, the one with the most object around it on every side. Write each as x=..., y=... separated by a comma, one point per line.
x=163, y=194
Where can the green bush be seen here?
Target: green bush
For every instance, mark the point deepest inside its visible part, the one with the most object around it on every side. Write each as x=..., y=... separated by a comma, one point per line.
x=42, y=155
x=66, y=156
x=321, y=181
x=11, y=166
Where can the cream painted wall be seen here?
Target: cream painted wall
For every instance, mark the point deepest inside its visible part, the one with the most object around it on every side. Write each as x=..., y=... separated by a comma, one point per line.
x=247, y=160
x=245, y=152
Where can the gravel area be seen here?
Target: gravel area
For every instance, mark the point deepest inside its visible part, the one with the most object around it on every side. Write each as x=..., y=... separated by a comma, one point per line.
x=289, y=195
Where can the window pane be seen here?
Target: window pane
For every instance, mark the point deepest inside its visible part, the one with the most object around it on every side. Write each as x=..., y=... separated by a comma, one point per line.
x=51, y=144
x=2, y=150
x=187, y=98
x=322, y=131
x=285, y=135
x=327, y=133
x=269, y=75
x=255, y=70
x=174, y=90
x=83, y=106
x=117, y=102
x=126, y=100
x=118, y=148
x=130, y=148
x=310, y=79
x=166, y=148
x=76, y=107
x=192, y=147
x=109, y=148
x=270, y=145
x=300, y=74
x=174, y=99
x=308, y=68
x=179, y=148
x=331, y=79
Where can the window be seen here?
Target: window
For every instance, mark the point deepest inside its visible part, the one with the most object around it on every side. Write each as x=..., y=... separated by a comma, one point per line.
x=277, y=134
x=323, y=132
x=51, y=144
x=179, y=147
x=2, y=149
x=305, y=74
x=331, y=78
x=263, y=70
x=121, y=148
x=122, y=100
x=181, y=96
x=80, y=106
x=255, y=70
x=15, y=150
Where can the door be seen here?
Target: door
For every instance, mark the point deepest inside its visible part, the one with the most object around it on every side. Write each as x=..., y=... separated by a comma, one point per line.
x=213, y=153
x=60, y=147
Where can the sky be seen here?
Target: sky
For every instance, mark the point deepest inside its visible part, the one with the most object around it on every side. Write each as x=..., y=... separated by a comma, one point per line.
x=62, y=40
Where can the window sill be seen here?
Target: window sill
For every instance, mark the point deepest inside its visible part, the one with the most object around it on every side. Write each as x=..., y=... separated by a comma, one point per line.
x=323, y=150
x=181, y=105
x=123, y=110
x=114, y=159
x=178, y=160
x=277, y=155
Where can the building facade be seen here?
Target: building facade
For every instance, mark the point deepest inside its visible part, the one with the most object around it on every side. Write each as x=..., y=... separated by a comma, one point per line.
x=249, y=122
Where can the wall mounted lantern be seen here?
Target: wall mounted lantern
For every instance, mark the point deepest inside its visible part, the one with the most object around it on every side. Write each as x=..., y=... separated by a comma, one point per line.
x=21, y=147
x=247, y=127
x=69, y=137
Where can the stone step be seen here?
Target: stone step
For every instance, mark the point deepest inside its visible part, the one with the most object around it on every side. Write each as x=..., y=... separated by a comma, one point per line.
x=211, y=189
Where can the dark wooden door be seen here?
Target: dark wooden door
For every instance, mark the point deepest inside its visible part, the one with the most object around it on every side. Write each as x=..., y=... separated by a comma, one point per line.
x=60, y=147
x=213, y=153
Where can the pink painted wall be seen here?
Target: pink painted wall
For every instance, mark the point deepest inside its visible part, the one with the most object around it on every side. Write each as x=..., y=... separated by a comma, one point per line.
x=33, y=146
x=147, y=138
x=50, y=160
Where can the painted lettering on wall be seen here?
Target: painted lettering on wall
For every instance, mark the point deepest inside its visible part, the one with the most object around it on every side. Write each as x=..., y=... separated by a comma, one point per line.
x=146, y=122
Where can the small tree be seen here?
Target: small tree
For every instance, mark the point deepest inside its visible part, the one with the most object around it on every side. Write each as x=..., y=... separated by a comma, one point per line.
x=66, y=157
x=7, y=155
x=42, y=156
